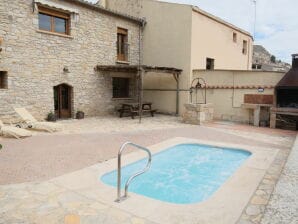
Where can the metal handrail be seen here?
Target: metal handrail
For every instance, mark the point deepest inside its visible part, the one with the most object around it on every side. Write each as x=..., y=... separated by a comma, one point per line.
x=119, y=198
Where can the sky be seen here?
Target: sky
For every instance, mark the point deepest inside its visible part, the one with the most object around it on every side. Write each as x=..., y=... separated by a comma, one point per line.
x=276, y=21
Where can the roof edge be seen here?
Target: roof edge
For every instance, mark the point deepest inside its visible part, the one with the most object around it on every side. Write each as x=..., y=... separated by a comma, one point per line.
x=236, y=70
x=217, y=19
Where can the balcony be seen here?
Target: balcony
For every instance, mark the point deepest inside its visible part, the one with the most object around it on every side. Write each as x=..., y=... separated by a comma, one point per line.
x=123, y=52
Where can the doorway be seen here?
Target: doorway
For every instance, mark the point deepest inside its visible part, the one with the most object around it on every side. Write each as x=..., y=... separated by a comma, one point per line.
x=62, y=101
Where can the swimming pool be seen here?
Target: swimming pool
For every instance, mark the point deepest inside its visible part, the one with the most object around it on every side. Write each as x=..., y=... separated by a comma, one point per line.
x=182, y=174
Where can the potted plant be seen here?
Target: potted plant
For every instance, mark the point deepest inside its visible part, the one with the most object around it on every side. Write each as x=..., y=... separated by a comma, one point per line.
x=80, y=115
x=51, y=117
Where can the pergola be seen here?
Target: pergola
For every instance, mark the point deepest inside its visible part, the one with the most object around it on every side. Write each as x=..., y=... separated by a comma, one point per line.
x=141, y=71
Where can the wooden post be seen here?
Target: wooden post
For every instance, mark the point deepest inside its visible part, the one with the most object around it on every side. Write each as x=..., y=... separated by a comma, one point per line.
x=176, y=76
x=141, y=73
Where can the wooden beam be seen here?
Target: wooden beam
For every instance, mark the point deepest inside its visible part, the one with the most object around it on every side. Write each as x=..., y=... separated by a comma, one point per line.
x=177, y=94
x=141, y=73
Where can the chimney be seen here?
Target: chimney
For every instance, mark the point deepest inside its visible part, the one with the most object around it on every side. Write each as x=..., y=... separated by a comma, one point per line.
x=295, y=61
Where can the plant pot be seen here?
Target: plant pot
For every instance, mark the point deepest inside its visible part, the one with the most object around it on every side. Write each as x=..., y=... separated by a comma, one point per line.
x=80, y=115
x=51, y=117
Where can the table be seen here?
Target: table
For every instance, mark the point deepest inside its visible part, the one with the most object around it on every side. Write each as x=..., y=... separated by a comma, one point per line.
x=133, y=109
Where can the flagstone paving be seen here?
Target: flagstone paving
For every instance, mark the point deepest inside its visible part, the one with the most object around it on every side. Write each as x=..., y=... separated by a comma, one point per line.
x=283, y=205
x=51, y=204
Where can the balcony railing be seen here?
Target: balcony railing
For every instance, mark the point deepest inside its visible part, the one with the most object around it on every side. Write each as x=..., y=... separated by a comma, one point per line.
x=123, y=52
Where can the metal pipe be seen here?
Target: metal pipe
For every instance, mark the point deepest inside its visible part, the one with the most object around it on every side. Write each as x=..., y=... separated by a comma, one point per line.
x=119, y=198
x=140, y=70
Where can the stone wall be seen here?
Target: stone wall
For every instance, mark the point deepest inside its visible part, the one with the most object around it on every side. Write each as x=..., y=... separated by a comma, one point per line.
x=198, y=114
x=129, y=7
x=34, y=60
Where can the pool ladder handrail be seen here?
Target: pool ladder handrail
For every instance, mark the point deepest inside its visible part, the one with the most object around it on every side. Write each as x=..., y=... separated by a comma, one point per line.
x=119, y=198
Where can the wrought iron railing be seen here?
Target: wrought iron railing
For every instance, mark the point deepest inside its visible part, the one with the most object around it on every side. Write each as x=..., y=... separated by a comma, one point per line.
x=123, y=51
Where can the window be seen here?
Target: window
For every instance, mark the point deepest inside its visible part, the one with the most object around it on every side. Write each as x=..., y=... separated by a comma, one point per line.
x=120, y=87
x=122, y=46
x=235, y=37
x=244, y=48
x=3, y=80
x=209, y=64
x=53, y=21
x=256, y=66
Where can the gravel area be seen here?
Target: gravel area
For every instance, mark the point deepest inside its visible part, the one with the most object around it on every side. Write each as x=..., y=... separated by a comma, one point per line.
x=87, y=142
x=283, y=205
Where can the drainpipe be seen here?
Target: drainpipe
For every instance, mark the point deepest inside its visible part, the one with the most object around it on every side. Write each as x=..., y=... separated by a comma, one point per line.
x=140, y=70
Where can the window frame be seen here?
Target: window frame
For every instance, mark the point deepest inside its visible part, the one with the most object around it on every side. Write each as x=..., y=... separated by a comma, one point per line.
x=212, y=65
x=54, y=14
x=244, y=47
x=235, y=37
x=122, y=92
x=122, y=56
x=3, y=80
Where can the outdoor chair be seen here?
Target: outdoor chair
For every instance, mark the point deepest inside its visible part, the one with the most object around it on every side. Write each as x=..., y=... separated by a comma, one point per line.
x=31, y=122
x=8, y=131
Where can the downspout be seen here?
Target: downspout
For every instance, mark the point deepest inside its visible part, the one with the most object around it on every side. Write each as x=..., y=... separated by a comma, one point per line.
x=33, y=6
x=140, y=71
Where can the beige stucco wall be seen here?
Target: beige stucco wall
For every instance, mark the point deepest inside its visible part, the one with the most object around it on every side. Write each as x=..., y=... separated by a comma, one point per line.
x=177, y=36
x=227, y=102
x=35, y=61
x=212, y=39
x=166, y=43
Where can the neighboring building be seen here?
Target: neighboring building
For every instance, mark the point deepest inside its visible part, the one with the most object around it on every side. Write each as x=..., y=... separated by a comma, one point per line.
x=49, y=50
x=264, y=61
x=185, y=37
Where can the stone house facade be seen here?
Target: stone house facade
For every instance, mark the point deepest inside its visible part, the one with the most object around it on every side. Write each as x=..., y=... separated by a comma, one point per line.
x=42, y=68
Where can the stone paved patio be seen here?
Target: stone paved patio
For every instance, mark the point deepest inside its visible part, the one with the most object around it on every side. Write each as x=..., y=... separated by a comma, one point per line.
x=83, y=144
x=283, y=205
x=51, y=204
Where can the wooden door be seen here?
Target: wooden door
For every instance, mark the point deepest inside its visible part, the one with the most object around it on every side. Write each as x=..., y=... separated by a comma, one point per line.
x=62, y=99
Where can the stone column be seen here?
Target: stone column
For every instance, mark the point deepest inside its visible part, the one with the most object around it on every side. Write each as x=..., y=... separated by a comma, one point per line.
x=257, y=112
x=273, y=120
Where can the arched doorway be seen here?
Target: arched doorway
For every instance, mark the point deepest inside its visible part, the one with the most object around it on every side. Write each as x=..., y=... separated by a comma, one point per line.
x=63, y=101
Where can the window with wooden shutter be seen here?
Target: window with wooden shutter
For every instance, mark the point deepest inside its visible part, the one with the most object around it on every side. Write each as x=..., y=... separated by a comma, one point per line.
x=3, y=80
x=53, y=21
x=120, y=87
x=122, y=45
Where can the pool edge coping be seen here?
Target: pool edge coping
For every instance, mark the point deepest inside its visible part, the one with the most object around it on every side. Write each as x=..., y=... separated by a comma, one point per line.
x=106, y=194
x=256, y=208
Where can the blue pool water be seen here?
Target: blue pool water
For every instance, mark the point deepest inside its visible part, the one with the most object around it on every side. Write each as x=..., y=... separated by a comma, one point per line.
x=183, y=174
